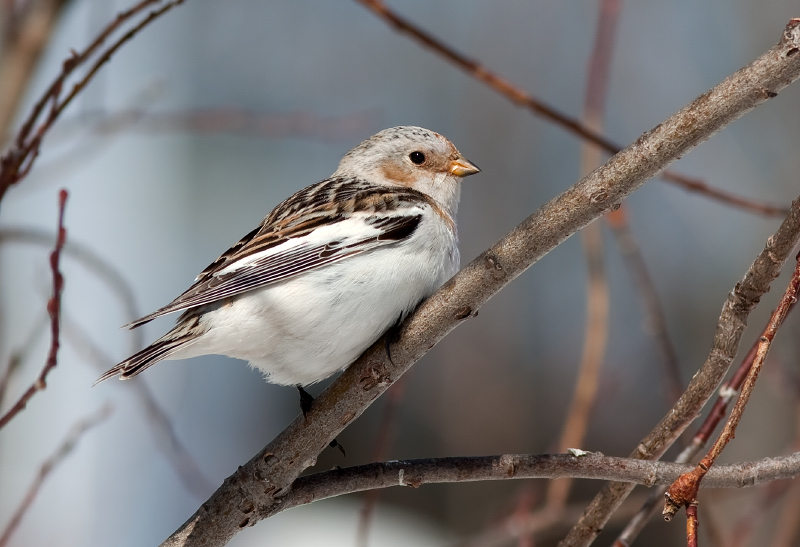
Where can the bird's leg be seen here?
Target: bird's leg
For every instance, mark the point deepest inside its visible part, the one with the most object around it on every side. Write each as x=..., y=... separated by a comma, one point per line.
x=306, y=400
x=391, y=336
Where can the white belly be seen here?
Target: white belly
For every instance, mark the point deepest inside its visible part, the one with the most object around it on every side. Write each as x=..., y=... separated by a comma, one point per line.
x=304, y=329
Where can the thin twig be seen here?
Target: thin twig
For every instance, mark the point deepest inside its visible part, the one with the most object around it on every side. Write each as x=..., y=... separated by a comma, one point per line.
x=385, y=437
x=415, y=473
x=718, y=411
x=102, y=268
x=597, y=291
x=250, y=493
x=54, y=311
x=684, y=490
x=65, y=448
x=165, y=437
x=654, y=311
x=787, y=529
x=691, y=525
x=521, y=98
x=19, y=355
x=24, y=40
x=17, y=162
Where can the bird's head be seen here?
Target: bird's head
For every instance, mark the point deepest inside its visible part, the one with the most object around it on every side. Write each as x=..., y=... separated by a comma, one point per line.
x=412, y=157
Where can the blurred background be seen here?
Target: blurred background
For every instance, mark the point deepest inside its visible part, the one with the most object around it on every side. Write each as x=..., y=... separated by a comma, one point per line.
x=219, y=110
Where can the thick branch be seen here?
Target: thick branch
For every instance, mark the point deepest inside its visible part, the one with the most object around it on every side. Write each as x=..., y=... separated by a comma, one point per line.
x=249, y=494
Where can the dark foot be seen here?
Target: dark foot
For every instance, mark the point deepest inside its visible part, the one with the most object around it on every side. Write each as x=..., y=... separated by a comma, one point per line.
x=306, y=400
x=335, y=444
x=391, y=336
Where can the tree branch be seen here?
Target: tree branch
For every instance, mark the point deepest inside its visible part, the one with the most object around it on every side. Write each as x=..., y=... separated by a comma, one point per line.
x=733, y=319
x=17, y=161
x=250, y=493
x=54, y=311
x=521, y=98
x=415, y=473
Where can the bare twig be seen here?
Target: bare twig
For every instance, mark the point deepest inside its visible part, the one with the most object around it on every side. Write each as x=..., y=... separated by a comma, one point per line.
x=70, y=441
x=17, y=162
x=256, y=487
x=691, y=525
x=415, y=473
x=541, y=523
x=25, y=38
x=787, y=528
x=519, y=97
x=654, y=311
x=684, y=491
x=597, y=292
x=95, y=263
x=166, y=439
x=726, y=393
x=54, y=310
x=19, y=355
x=750, y=517
x=385, y=436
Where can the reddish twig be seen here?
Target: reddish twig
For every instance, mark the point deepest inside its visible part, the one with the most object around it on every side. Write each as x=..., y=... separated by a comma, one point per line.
x=54, y=311
x=718, y=411
x=684, y=490
x=72, y=438
x=17, y=162
x=691, y=525
x=519, y=97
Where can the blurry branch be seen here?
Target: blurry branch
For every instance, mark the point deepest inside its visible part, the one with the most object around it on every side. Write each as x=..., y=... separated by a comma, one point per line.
x=654, y=311
x=787, y=529
x=589, y=465
x=521, y=98
x=230, y=120
x=164, y=436
x=726, y=393
x=733, y=319
x=98, y=129
x=386, y=431
x=750, y=517
x=54, y=311
x=101, y=267
x=597, y=291
x=683, y=492
x=540, y=525
x=718, y=410
x=25, y=36
x=17, y=161
x=258, y=486
x=66, y=447
x=20, y=354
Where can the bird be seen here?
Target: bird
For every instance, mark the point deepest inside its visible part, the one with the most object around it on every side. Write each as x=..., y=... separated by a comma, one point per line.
x=329, y=270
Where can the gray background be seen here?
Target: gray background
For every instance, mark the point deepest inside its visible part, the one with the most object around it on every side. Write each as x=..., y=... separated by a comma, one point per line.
x=160, y=202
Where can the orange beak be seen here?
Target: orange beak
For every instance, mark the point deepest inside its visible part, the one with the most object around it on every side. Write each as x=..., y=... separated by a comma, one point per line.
x=462, y=167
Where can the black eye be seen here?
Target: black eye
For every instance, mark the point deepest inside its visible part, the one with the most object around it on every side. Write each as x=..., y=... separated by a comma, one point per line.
x=417, y=157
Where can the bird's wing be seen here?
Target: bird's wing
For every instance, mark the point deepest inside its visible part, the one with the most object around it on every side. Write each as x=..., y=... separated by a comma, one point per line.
x=329, y=221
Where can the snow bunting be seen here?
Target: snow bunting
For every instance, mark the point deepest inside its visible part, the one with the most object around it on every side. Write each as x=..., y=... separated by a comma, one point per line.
x=330, y=269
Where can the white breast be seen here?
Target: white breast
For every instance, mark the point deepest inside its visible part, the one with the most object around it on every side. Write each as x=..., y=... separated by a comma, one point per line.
x=304, y=329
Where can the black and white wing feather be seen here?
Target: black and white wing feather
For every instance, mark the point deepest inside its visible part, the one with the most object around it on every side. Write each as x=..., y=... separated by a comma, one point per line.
x=324, y=223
